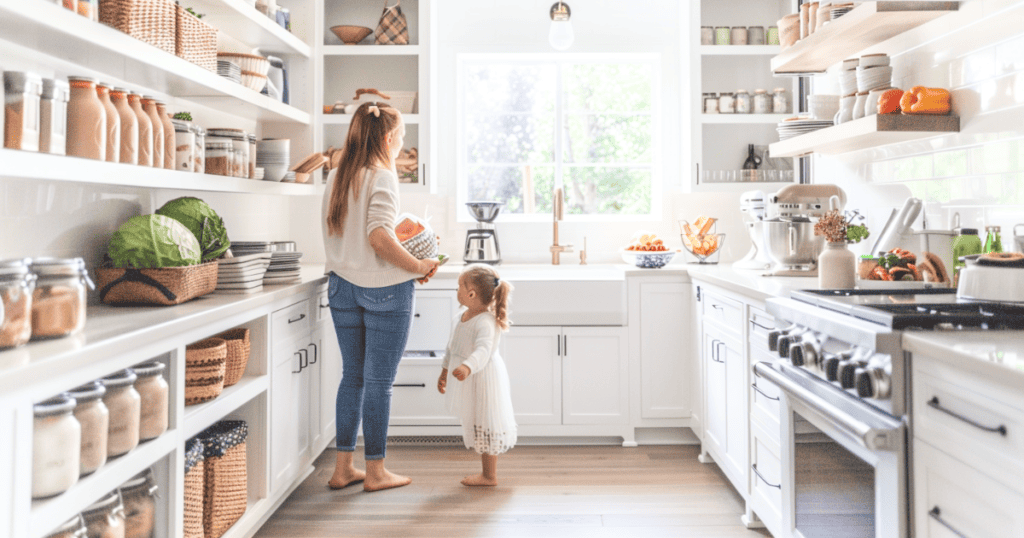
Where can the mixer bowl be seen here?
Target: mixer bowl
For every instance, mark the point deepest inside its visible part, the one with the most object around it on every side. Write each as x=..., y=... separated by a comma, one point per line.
x=485, y=211
x=792, y=244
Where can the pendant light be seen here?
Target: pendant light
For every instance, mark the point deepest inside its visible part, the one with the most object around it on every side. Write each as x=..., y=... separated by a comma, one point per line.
x=560, y=35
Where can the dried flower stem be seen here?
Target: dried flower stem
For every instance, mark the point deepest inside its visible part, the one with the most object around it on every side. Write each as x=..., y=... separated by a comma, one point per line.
x=832, y=225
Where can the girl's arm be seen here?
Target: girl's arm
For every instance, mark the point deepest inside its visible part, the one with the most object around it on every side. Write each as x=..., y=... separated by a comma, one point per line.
x=483, y=347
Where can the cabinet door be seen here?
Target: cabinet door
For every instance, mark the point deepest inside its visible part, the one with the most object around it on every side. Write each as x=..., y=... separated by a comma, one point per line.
x=431, y=320
x=330, y=378
x=415, y=400
x=284, y=409
x=664, y=330
x=595, y=375
x=736, y=412
x=715, y=432
x=531, y=355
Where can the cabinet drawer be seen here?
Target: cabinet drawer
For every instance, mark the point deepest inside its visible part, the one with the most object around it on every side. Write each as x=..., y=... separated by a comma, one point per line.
x=290, y=321
x=949, y=494
x=323, y=306
x=415, y=400
x=766, y=480
x=765, y=403
x=759, y=323
x=723, y=311
x=431, y=322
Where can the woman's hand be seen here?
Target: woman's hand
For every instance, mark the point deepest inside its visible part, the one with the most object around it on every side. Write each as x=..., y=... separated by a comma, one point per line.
x=461, y=373
x=442, y=382
x=428, y=267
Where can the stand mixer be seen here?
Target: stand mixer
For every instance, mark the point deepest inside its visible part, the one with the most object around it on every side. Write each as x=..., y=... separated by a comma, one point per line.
x=482, y=241
x=752, y=205
x=789, y=239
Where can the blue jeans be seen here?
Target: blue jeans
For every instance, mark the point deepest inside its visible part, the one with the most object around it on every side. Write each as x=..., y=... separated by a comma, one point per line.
x=372, y=325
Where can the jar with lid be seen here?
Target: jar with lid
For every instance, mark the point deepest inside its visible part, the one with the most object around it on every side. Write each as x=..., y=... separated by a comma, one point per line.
x=762, y=103
x=93, y=416
x=53, y=116
x=200, y=166
x=123, y=402
x=139, y=498
x=169, y=136
x=711, y=103
x=58, y=302
x=87, y=121
x=744, y=104
x=184, y=146
x=128, y=152
x=16, y=285
x=145, y=144
x=240, y=142
x=726, y=103
x=113, y=123
x=56, y=442
x=74, y=528
x=149, y=106
x=780, y=101
x=152, y=389
x=105, y=518
x=252, y=156
x=21, y=110
x=722, y=35
x=738, y=35
x=89, y=9
x=707, y=35
x=219, y=154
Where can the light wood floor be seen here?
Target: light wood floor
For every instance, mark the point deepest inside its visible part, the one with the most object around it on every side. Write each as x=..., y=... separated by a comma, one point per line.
x=592, y=492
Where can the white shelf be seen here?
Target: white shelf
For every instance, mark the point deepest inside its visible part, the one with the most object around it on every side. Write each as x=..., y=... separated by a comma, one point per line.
x=739, y=50
x=240, y=20
x=742, y=119
x=40, y=166
x=372, y=50
x=345, y=119
x=872, y=131
x=49, y=513
x=202, y=416
x=74, y=45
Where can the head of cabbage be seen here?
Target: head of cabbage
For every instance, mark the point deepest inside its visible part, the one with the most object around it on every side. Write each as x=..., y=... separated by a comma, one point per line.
x=150, y=241
x=202, y=221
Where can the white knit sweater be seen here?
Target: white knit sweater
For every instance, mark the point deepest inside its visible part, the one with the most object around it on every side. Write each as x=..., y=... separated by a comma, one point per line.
x=350, y=255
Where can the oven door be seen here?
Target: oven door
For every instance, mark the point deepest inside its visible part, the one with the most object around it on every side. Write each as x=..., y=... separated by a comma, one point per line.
x=845, y=461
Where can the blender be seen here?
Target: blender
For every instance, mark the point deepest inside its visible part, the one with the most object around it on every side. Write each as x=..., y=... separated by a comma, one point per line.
x=752, y=205
x=482, y=241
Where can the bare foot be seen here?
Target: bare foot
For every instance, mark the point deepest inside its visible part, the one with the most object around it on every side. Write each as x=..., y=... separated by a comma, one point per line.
x=345, y=478
x=387, y=480
x=479, y=480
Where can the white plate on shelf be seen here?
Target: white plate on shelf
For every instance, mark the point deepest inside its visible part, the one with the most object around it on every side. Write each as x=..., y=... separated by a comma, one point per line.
x=245, y=258
x=239, y=285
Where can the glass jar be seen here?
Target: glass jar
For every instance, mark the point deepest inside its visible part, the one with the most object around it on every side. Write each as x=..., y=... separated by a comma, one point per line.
x=252, y=156
x=711, y=103
x=93, y=416
x=123, y=402
x=105, y=518
x=56, y=442
x=113, y=123
x=128, y=152
x=744, y=103
x=169, y=137
x=152, y=389
x=145, y=144
x=707, y=35
x=726, y=103
x=240, y=143
x=89, y=9
x=218, y=156
x=993, y=241
x=200, y=163
x=21, y=110
x=149, y=106
x=755, y=35
x=16, y=285
x=773, y=35
x=738, y=35
x=723, y=35
x=780, y=101
x=762, y=104
x=87, y=121
x=139, y=498
x=184, y=146
x=53, y=116
x=74, y=528
x=58, y=302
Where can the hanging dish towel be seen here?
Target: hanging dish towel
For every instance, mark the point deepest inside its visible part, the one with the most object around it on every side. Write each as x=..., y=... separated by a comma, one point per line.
x=392, y=28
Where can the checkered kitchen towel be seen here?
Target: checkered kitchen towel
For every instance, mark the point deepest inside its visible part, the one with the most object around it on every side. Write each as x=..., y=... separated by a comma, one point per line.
x=392, y=28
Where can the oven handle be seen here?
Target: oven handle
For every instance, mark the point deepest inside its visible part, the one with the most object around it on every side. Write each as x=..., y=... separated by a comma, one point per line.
x=871, y=430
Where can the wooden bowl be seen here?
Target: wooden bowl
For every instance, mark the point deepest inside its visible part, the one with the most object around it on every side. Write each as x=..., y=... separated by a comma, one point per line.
x=350, y=35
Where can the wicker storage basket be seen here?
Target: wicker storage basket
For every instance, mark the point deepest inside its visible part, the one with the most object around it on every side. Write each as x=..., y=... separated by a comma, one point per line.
x=422, y=245
x=163, y=286
x=151, y=21
x=204, y=370
x=225, y=494
x=193, y=488
x=194, y=40
x=238, y=354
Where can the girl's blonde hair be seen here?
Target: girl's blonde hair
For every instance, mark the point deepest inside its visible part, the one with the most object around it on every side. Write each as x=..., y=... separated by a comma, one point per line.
x=365, y=146
x=494, y=292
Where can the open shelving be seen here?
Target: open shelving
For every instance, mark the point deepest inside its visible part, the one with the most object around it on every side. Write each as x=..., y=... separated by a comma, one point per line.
x=872, y=131
x=372, y=50
x=201, y=416
x=743, y=118
x=243, y=22
x=739, y=50
x=345, y=119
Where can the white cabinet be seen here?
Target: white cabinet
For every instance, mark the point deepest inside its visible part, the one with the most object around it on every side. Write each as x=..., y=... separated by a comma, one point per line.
x=289, y=411
x=665, y=372
x=533, y=358
x=330, y=378
x=432, y=318
x=415, y=400
x=726, y=403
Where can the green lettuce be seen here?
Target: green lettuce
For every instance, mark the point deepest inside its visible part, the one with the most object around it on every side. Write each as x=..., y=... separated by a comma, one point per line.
x=202, y=221
x=150, y=241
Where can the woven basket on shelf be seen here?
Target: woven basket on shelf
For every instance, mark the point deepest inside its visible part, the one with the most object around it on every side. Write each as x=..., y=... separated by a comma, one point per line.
x=204, y=370
x=163, y=286
x=194, y=479
x=194, y=40
x=238, y=354
x=225, y=493
x=151, y=21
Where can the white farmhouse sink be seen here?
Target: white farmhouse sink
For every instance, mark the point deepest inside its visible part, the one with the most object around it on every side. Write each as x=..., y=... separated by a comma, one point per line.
x=567, y=295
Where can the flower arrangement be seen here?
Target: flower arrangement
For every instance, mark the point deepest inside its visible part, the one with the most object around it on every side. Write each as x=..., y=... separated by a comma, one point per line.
x=838, y=226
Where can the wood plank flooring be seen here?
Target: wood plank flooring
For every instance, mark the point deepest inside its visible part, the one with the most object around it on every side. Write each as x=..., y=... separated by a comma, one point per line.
x=585, y=491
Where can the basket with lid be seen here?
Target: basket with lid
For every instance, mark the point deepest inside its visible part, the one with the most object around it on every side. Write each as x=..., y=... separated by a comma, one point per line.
x=225, y=491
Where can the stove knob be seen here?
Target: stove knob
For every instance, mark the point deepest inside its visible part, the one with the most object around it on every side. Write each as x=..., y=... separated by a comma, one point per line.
x=796, y=354
x=873, y=382
x=782, y=346
x=848, y=373
x=773, y=338
x=803, y=354
x=831, y=366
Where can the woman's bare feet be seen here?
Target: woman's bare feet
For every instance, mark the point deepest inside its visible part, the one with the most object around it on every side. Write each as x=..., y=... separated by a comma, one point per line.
x=345, y=473
x=378, y=478
x=479, y=480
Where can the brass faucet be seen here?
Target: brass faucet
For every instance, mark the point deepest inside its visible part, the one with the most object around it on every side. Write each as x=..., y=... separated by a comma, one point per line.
x=556, y=249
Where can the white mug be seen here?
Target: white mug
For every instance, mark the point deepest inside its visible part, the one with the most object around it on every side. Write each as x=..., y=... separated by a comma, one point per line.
x=858, y=105
x=846, y=109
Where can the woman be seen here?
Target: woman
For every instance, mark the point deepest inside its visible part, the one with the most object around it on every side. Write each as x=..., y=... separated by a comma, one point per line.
x=370, y=289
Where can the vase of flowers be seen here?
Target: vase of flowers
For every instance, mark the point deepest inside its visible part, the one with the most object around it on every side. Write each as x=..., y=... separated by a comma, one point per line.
x=837, y=267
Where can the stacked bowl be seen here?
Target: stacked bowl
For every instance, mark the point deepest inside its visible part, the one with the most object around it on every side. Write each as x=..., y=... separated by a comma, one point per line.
x=229, y=70
x=873, y=73
x=273, y=156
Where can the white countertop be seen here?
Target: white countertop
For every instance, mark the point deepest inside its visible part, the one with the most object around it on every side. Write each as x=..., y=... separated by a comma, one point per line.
x=750, y=282
x=999, y=355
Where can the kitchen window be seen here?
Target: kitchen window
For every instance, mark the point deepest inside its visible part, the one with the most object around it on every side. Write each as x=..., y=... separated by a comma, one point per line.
x=587, y=123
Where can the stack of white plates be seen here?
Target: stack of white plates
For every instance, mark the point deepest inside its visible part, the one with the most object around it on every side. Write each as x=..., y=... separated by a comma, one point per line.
x=229, y=70
x=289, y=177
x=243, y=248
x=789, y=129
x=840, y=11
x=242, y=274
x=284, y=267
x=274, y=157
x=874, y=77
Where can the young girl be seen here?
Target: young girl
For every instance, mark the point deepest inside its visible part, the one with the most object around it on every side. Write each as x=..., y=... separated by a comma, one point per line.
x=481, y=399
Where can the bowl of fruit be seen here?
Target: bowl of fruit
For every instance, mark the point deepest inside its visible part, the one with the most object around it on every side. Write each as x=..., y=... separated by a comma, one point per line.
x=646, y=251
x=700, y=239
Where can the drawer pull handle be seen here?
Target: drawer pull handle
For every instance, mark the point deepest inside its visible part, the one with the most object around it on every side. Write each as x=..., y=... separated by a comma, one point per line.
x=934, y=403
x=299, y=371
x=936, y=514
x=767, y=483
x=756, y=324
x=416, y=315
x=420, y=385
x=762, y=393
x=717, y=307
x=316, y=352
x=300, y=318
x=325, y=305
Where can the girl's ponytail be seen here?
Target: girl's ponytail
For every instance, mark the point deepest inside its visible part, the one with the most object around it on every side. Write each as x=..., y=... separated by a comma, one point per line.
x=501, y=297
x=494, y=292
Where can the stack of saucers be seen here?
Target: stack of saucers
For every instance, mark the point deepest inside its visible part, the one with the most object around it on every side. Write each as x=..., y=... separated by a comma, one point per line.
x=798, y=126
x=273, y=156
x=289, y=177
x=873, y=73
x=284, y=266
x=229, y=70
x=242, y=274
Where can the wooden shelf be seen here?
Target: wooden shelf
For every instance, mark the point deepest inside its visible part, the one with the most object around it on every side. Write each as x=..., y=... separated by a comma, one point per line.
x=201, y=416
x=867, y=24
x=345, y=119
x=869, y=132
x=372, y=50
x=742, y=119
x=43, y=167
x=739, y=50
x=241, y=21
x=73, y=45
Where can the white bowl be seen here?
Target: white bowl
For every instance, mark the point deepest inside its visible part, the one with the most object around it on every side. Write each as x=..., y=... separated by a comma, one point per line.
x=873, y=60
x=850, y=64
x=648, y=260
x=823, y=107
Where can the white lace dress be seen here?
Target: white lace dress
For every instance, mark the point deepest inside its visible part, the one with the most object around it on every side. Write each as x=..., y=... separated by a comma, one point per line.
x=483, y=402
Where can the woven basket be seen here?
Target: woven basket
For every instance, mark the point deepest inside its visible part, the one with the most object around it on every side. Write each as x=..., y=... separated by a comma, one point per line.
x=194, y=479
x=225, y=492
x=194, y=40
x=151, y=21
x=422, y=245
x=163, y=286
x=204, y=370
x=238, y=354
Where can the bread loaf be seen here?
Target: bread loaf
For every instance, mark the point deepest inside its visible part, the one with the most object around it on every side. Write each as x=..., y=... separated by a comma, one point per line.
x=932, y=268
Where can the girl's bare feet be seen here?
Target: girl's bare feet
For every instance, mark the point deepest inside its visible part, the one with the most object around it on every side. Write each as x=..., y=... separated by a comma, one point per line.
x=487, y=478
x=378, y=478
x=479, y=480
x=344, y=472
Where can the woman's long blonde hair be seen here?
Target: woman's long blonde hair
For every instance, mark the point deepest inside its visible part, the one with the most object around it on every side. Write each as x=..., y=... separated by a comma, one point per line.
x=494, y=292
x=365, y=146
